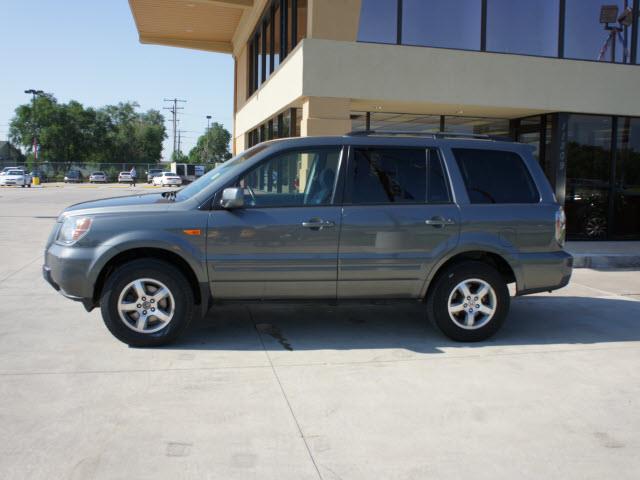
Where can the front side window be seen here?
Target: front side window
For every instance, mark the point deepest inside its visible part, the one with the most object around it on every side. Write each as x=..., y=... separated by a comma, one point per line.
x=495, y=176
x=293, y=179
x=397, y=175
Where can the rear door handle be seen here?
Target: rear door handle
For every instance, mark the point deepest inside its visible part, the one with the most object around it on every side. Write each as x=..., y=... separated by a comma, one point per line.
x=318, y=224
x=439, y=222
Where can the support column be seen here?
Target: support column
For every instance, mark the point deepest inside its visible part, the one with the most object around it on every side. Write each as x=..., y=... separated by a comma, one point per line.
x=325, y=116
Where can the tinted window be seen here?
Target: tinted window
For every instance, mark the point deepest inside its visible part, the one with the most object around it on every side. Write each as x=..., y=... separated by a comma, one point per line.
x=378, y=21
x=442, y=23
x=397, y=175
x=493, y=176
x=523, y=26
x=295, y=178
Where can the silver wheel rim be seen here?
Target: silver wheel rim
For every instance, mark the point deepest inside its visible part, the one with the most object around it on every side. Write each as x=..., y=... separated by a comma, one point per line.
x=146, y=305
x=472, y=304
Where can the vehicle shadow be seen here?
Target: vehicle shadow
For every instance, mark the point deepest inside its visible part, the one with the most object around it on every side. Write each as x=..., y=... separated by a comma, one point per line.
x=535, y=320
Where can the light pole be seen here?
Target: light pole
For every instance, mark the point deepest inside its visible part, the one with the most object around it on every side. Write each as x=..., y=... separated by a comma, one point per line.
x=33, y=94
x=206, y=144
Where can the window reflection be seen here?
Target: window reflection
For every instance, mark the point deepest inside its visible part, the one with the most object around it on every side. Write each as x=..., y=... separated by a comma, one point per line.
x=584, y=34
x=442, y=23
x=523, y=26
x=626, y=222
x=378, y=21
x=588, y=174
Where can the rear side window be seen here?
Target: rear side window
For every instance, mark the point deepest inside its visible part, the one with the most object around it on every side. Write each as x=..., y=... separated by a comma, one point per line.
x=495, y=176
x=397, y=175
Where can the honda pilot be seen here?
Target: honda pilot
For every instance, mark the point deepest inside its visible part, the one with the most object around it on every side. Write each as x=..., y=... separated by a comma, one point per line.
x=446, y=221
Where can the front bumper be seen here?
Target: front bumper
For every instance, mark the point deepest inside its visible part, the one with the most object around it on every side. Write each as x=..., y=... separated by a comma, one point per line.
x=70, y=271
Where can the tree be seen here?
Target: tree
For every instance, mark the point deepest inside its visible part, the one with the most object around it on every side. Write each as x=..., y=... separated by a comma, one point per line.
x=179, y=157
x=212, y=147
x=71, y=133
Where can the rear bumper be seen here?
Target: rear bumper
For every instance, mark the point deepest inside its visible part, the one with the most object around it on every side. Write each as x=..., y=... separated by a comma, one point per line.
x=544, y=272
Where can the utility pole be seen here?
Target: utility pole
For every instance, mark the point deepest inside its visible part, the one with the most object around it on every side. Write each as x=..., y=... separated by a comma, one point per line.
x=174, y=109
x=179, y=139
x=33, y=94
x=206, y=142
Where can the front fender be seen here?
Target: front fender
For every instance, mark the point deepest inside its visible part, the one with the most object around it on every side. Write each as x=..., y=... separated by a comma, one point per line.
x=190, y=249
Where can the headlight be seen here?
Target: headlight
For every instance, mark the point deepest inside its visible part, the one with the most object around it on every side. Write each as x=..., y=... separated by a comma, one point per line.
x=73, y=229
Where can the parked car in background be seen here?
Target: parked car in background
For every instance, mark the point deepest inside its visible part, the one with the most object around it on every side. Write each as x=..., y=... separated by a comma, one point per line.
x=98, y=177
x=445, y=221
x=73, y=176
x=124, y=177
x=18, y=178
x=6, y=169
x=167, y=179
x=40, y=174
x=152, y=173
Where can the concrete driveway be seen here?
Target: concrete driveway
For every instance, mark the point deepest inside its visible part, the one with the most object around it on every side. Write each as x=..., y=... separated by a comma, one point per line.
x=307, y=392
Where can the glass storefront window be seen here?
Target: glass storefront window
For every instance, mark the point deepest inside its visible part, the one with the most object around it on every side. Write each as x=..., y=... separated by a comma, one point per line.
x=523, y=26
x=588, y=175
x=268, y=46
x=378, y=21
x=584, y=35
x=442, y=23
x=626, y=203
x=480, y=126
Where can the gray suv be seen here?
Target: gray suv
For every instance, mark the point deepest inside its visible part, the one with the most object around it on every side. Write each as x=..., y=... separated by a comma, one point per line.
x=442, y=220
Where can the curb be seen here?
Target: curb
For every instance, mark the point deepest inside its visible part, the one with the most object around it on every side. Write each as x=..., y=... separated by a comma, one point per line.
x=586, y=260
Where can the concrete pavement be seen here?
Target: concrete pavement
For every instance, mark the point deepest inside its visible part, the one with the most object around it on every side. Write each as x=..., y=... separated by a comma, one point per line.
x=302, y=392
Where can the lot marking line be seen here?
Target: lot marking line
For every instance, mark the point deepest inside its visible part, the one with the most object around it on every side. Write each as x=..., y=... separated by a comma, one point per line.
x=284, y=395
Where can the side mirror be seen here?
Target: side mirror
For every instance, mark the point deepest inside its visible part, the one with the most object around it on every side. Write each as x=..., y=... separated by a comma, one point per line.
x=232, y=198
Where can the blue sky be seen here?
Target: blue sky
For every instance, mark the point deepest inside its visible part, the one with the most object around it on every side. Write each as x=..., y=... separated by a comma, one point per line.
x=88, y=50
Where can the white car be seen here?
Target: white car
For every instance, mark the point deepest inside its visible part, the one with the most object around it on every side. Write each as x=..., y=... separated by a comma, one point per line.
x=98, y=177
x=16, y=178
x=6, y=169
x=167, y=179
x=124, y=177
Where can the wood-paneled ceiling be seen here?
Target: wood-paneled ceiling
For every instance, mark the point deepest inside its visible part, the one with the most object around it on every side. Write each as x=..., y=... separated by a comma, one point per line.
x=200, y=24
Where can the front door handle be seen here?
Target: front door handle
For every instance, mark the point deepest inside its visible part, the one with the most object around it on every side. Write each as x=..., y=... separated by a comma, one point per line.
x=318, y=224
x=440, y=222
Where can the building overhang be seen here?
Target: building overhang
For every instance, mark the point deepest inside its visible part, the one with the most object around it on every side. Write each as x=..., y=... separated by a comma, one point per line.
x=196, y=24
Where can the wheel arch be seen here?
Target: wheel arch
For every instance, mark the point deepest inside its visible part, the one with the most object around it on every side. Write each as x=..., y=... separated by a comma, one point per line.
x=138, y=253
x=507, y=270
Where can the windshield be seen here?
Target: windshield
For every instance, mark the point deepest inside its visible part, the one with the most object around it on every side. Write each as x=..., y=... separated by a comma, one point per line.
x=207, y=179
x=15, y=172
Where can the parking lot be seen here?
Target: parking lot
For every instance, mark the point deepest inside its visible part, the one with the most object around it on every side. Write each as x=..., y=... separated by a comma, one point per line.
x=296, y=392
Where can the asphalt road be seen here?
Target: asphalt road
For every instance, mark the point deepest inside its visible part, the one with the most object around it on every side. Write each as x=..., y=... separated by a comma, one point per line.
x=306, y=392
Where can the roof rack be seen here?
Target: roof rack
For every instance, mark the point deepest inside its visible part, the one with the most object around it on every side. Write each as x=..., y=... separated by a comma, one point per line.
x=476, y=136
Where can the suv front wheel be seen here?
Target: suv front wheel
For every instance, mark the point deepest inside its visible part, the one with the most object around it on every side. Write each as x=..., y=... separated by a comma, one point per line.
x=147, y=303
x=469, y=302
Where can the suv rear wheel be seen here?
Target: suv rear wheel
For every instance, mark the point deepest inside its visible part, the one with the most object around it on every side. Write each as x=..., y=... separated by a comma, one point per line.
x=469, y=302
x=147, y=303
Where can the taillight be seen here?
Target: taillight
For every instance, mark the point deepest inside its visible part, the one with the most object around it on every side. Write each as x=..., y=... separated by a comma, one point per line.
x=561, y=226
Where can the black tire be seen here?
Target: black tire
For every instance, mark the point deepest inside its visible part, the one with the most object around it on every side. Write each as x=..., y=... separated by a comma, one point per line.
x=158, y=270
x=445, y=284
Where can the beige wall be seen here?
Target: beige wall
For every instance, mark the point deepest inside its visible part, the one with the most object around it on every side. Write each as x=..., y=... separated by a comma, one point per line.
x=333, y=19
x=325, y=116
x=433, y=80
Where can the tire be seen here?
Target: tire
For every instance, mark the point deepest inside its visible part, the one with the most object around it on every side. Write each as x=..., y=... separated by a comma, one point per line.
x=448, y=290
x=155, y=272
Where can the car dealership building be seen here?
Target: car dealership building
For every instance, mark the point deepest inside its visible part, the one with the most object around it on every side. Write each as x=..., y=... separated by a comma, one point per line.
x=560, y=75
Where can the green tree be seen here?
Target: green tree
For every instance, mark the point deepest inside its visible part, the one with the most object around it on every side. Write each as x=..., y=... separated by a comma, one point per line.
x=71, y=133
x=179, y=157
x=212, y=147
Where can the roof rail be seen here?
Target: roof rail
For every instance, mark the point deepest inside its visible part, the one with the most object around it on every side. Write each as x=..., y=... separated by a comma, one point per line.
x=382, y=133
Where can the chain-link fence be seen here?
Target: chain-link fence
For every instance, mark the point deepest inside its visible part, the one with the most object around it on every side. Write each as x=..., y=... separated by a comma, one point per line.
x=56, y=171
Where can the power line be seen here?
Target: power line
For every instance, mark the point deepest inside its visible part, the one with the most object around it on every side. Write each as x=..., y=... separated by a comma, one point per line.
x=174, y=109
